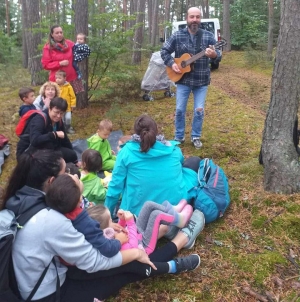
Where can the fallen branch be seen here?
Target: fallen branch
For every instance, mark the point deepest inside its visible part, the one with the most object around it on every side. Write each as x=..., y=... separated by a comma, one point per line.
x=271, y=218
x=292, y=278
x=254, y=294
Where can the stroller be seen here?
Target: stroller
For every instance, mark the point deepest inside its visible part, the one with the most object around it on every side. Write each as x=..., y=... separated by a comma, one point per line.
x=156, y=78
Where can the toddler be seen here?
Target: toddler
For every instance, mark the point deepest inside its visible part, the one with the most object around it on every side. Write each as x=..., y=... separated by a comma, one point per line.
x=123, y=139
x=100, y=143
x=80, y=51
x=67, y=93
x=91, y=163
x=26, y=94
x=144, y=233
x=48, y=91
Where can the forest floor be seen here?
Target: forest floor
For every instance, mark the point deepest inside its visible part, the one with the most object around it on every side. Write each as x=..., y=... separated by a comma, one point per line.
x=252, y=253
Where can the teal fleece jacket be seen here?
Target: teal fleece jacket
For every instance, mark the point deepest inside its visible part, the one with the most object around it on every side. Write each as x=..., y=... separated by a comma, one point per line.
x=157, y=175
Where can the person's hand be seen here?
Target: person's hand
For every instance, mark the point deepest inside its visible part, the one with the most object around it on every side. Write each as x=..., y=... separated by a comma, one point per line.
x=122, y=237
x=60, y=134
x=117, y=227
x=176, y=68
x=144, y=258
x=128, y=215
x=113, y=152
x=64, y=63
x=210, y=52
x=46, y=102
x=121, y=214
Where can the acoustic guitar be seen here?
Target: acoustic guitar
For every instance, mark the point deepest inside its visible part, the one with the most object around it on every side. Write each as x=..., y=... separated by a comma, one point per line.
x=186, y=60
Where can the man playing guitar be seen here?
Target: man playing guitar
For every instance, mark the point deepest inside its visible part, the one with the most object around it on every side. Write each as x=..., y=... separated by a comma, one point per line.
x=187, y=42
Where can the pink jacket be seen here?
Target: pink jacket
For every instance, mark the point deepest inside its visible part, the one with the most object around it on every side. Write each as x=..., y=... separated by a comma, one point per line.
x=52, y=57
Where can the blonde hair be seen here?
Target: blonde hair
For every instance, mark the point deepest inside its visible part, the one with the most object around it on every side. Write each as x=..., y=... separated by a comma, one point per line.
x=51, y=84
x=105, y=124
x=99, y=213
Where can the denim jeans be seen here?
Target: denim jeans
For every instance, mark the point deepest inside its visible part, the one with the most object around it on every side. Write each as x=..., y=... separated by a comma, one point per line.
x=182, y=96
x=67, y=118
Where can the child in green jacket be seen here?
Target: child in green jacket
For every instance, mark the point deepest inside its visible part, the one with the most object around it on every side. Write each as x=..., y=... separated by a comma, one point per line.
x=100, y=143
x=94, y=190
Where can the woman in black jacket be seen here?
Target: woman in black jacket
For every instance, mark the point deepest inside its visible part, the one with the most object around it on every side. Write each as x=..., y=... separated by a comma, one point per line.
x=47, y=131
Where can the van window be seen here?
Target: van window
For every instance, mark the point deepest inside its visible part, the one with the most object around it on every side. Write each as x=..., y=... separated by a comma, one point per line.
x=209, y=26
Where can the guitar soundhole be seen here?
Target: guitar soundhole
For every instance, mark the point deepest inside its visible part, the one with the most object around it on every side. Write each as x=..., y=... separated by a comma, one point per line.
x=183, y=64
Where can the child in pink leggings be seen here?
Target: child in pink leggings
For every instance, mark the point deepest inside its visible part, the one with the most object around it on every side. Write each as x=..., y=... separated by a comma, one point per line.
x=144, y=232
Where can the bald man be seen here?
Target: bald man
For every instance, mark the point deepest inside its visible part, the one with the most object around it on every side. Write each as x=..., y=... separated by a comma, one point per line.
x=191, y=40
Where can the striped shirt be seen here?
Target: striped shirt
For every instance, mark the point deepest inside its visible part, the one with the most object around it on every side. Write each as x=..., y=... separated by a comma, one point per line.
x=180, y=42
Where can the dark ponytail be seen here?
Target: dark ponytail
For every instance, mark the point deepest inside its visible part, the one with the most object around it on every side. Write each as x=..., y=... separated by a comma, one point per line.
x=146, y=128
x=33, y=169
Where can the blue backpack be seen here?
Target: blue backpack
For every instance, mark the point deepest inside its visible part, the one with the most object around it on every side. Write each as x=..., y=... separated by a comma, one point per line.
x=213, y=192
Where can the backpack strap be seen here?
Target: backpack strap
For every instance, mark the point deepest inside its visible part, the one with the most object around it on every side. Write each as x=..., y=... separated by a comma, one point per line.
x=203, y=171
x=36, y=287
x=24, y=217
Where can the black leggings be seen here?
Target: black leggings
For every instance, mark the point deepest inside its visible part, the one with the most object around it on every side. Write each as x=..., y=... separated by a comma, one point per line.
x=82, y=286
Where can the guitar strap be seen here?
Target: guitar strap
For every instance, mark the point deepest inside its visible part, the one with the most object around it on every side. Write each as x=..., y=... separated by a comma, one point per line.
x=199, y=39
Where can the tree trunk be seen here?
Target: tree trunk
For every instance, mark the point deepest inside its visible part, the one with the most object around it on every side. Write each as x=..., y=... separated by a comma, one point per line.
x=226, y=24
x=138, y=35
x=81, y=26
x=24, y=41
x=150, y=19
x=282, y=169
x=205, y=8
x=154, y=23
x=7, y=17
x=33, y=40
x=270, y=30
x=125, y=23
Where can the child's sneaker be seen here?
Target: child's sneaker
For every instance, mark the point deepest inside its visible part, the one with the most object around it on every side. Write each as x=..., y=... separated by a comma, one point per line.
x=188, y=263
x=172, y=232
x=194, y=228
x=196, y=142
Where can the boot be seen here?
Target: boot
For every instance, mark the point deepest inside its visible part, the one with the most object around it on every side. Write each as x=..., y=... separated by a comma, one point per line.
x=69, y=129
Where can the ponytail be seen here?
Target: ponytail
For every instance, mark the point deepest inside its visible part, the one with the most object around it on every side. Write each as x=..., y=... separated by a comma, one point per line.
x=146, y=128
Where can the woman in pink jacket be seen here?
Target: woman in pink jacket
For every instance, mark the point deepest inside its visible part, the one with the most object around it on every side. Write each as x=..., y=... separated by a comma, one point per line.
x=58, y=55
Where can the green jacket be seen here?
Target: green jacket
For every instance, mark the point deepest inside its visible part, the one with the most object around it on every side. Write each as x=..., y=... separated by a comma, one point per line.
x=103, y=147
x=93, y=188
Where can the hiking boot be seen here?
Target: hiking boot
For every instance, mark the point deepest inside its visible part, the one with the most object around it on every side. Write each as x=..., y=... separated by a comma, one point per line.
x=172, y=232
x=196, y=142
x=193, y=228
x=188, y=263
x=179, y=140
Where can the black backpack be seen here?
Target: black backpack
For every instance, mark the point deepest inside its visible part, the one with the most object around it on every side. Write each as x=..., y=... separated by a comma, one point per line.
x=9, y=291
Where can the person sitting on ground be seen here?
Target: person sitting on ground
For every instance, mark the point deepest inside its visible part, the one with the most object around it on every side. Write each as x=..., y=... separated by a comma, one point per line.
x=80, y=51
x=122, y=141
x=65, y=196
x=48, y=91
x=73, y=169
x=91, y=163
x=144, y=232
x=67, y=93
x=100, y=143
x=48, y=132
x=26, y=94
x=34, y=247
x=149, y=168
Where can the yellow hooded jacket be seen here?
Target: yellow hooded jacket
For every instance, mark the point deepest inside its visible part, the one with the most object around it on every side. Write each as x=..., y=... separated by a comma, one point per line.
x=67, y=93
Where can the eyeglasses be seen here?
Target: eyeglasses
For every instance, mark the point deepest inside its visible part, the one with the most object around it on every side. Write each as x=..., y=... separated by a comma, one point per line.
x=58, y=113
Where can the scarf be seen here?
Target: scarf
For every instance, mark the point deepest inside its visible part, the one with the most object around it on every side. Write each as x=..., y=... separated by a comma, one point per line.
x=159, y=138
x=59, y=46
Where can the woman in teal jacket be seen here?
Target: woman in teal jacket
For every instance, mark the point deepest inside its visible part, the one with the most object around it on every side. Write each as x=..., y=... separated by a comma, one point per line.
x=149, y=168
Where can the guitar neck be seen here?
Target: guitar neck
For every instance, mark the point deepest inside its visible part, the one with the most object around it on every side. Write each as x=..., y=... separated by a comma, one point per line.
x=194, y=58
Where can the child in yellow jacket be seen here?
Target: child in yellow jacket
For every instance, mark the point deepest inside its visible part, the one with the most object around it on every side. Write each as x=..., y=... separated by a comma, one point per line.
x=67, y=93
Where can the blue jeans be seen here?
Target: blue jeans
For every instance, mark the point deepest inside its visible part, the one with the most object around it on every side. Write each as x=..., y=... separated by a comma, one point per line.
x=182, y=96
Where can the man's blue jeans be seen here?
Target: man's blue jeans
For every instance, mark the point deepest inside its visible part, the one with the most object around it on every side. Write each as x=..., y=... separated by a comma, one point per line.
x=182, y=96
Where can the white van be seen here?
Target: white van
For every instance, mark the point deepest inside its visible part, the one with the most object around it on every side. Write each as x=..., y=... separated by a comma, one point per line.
x=211, y=24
